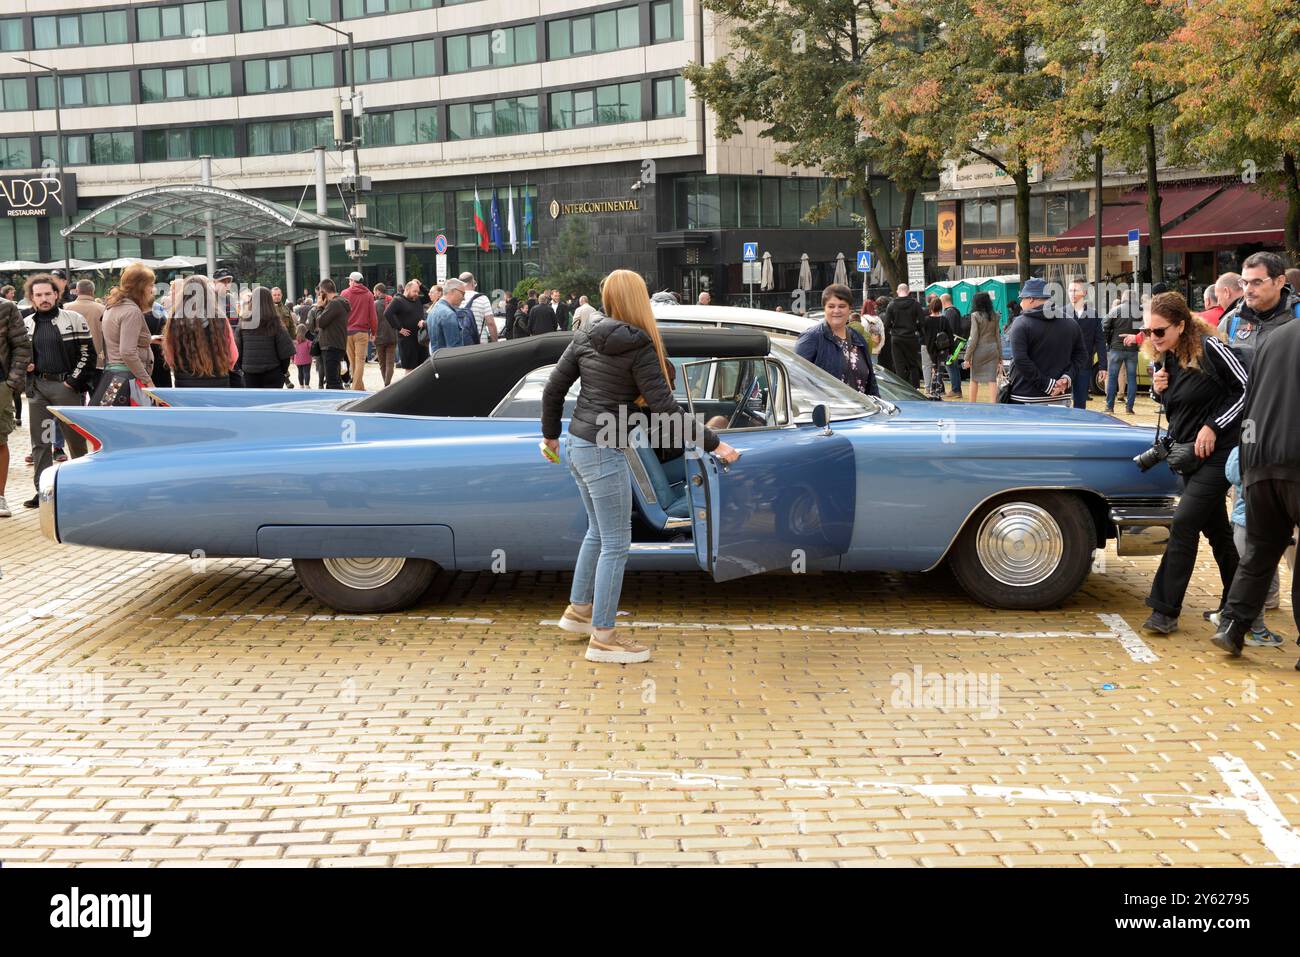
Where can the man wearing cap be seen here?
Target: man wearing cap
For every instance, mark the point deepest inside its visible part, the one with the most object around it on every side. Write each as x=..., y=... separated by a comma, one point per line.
x=1046, y=348
x=228, y=309
x=363, y=325
x=61, y=279
x=444, y=318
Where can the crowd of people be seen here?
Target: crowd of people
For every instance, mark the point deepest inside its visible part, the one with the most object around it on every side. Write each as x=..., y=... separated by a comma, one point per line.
x=1227, y=392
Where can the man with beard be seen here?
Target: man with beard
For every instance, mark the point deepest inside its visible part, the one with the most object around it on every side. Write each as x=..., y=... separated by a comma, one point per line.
x=60, y=371
x=407, y=312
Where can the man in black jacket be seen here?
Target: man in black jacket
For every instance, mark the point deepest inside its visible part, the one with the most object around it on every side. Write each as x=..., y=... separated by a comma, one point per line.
x=59, y=373
x=1045, y=348
x=1094, y=342
x=1269, y=304
x=1270, y=470
x=549, y=315
x=904, y=321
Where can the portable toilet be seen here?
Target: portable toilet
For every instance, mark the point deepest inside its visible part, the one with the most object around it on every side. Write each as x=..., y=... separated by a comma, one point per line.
x=1002, y=290
x=962, y=292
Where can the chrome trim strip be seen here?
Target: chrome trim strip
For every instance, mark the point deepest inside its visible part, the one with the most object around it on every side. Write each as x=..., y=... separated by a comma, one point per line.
x=49, y=513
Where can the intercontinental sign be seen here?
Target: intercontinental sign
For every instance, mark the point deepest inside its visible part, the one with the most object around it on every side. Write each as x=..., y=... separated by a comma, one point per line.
x=588, y=206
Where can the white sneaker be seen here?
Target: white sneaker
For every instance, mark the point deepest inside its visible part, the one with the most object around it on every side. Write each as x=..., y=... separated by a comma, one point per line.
x=608, y=647
x=4, y=508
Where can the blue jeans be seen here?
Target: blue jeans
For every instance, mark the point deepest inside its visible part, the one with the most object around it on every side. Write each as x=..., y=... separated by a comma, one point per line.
x=1129, y=361
x=605, y=484
x=954, y=376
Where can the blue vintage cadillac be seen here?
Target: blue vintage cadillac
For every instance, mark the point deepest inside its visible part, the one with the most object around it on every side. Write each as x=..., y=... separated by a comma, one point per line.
x=369, y=495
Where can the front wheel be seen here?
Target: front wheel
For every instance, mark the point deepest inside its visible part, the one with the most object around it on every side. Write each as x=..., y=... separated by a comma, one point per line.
x=365, y=585
x=1027, y=551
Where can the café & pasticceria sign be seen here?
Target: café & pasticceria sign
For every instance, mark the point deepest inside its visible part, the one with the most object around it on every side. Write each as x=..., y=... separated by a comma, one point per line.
x=587, y=207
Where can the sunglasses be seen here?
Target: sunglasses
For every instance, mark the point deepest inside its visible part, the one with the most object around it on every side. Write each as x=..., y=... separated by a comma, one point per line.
x=1156, y=332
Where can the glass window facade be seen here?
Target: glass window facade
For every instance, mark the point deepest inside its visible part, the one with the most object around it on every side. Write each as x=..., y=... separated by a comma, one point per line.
x=295, y=136
x=666, y=20
x=475, y=51
x=1050, y=214
x=15, y=152
x=505, y=117
x=91, y=149
x=187, y=82
x=599, y=106
x=305, y=71
x=85, y=89
x=594, y=33
x=268, y=14
x=670, y=96
x=13, y=93
x=400, y=61
x=11, y=35
x=189, y=143
x=369, y=8
x=772, y=202
x=197, y=19
x=400, y=127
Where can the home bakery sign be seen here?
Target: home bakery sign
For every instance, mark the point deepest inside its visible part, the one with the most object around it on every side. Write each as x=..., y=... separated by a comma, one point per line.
x=37, y=196
x=586, y=207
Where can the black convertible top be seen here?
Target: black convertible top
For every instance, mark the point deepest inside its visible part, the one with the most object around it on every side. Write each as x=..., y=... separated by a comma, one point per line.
x=472, y=380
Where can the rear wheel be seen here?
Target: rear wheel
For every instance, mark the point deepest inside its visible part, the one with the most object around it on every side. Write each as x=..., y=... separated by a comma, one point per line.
x=1027, y=551
x=365, y=585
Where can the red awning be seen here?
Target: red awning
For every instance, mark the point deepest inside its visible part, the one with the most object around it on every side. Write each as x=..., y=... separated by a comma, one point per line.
x=1130, y=212
x=1237, y=215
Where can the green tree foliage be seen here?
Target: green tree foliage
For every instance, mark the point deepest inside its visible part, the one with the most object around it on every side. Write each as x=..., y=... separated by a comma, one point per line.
x=802, y=70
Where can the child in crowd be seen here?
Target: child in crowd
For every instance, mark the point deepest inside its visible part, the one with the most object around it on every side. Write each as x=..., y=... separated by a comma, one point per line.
x=1260, y=636
x=302, y=357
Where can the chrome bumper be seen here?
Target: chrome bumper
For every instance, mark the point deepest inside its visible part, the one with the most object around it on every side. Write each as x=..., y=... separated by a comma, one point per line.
x=1141, y=530
x=49, y=520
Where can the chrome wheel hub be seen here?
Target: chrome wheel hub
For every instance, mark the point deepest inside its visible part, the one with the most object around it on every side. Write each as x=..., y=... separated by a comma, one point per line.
x=1020, y=544
x=364, y=574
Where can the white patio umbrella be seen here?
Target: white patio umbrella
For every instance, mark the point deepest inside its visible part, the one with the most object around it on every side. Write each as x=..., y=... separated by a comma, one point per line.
x=21, y=265
x=768, y=280
x=805, y=273
x=841, y=273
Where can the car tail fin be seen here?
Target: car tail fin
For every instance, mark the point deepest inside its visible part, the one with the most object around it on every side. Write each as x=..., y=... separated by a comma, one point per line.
x=116, y=428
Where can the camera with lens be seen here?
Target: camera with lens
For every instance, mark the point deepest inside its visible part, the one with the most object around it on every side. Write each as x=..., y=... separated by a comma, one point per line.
x=1153, y=456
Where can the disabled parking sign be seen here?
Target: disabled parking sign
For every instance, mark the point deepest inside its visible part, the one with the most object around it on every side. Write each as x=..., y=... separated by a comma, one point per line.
x=914, y=240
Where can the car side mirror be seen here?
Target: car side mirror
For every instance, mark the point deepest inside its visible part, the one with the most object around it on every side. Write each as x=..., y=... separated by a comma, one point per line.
x=821, y=418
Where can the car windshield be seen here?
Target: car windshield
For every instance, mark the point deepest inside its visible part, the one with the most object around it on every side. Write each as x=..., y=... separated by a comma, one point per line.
x=809, y=387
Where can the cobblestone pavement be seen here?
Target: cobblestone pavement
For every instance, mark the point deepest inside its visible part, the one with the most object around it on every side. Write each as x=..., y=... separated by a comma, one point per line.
x=157, y=711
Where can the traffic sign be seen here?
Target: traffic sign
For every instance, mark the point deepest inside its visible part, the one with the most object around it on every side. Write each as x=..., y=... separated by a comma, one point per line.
x=751, y=272
x=440, y=244
x=1134, y=243
x=915, y=270
x=865, y=261
x=914, y=241
x=441, y=260
x=751, y=252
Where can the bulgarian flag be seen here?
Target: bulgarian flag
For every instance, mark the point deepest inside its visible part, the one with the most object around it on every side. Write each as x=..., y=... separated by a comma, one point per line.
x=480, y=226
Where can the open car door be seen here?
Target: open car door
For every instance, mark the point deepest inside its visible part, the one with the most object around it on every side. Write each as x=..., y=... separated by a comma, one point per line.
x=791, y=497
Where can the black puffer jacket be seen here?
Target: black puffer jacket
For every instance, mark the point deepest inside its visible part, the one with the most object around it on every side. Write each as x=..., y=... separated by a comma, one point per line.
x=616, y=363
x=264, y=353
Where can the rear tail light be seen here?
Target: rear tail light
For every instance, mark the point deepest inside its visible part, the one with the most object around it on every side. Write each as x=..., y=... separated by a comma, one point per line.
x=94, y=443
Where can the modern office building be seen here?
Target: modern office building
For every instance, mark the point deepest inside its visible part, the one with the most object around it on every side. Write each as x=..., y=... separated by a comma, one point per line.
x=570, y=112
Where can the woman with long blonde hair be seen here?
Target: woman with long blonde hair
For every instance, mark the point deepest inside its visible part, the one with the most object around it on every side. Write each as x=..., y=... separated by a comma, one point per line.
x=1201, y=386
x=619, y=360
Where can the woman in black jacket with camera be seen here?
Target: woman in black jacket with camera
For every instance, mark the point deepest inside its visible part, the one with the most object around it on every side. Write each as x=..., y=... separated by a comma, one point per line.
x=1201, y=386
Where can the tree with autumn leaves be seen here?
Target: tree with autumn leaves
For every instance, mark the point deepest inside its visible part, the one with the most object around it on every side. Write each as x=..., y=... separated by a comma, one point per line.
x=847, y=85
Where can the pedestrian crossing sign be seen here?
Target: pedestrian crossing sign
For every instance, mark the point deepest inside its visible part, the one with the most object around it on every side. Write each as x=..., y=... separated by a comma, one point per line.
x=865, y=261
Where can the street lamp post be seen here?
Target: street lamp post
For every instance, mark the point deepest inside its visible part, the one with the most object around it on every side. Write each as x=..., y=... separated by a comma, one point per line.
x=358, y=210
x=58, y=157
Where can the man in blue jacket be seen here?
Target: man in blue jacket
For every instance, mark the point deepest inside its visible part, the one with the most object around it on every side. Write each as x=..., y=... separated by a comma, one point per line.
x=1094, y=341
x=444, y=317
x=1046, y=348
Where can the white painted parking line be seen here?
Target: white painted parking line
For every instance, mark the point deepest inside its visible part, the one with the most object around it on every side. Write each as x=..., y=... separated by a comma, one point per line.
x=1248, y=793
x=1116, y=629
x=850, y=630
x=1137, y=649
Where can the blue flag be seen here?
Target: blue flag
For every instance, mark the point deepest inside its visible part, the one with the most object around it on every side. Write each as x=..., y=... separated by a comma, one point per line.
x=528, y=219
x=496, y=221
